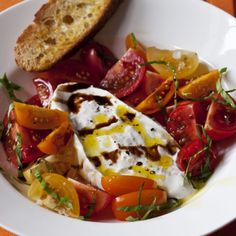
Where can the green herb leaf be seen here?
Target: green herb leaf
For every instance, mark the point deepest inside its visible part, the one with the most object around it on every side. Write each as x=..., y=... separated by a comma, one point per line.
x=18, y=151
x=134, y=40
x=173, y=70
x=228, y=100
x=91, y=207
x=207, y=137
x=61, y=200
x=10, y=87
x=131, y=218
x=1, y=129
x=223, y=70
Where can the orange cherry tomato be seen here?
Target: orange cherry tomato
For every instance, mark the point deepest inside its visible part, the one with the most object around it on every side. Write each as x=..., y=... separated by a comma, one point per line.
x=34, y=117
x=131, y=42
x=57, y=140
x=147, y=197
x=122, y=184
x=157, y=99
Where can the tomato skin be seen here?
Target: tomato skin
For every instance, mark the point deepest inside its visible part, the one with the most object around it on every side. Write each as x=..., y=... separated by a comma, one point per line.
x=69, y=70
x=88, y=194
x=182, y=124
x=44, y=89
x=151, y=104
x=200, y=109
x=129, y=43
x=34, y=100
x=57, y=140
x=126, y=75
x=34, y=117
x=122, y=184
x=194, y=167
x=185, y=62
x=98, y=58
x=30, y=139
x=152, y=81
x=131, y=199
x=220, y=122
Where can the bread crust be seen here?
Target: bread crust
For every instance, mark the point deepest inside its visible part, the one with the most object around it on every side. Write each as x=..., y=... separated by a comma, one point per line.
x=32, y=54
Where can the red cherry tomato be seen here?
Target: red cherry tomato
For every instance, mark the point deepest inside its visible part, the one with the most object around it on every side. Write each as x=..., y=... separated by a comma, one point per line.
x=34, y=100
x=98, y=58
x=70, y=70
x=126, y=75
x=220, y=122
x=200, y=109
x=131, y=199
x=187, y=158
x=44, y=89
x=136, y=97
x=91, y=197
x=122, y=184
x=29, y=141
x=152, y=81
x=182, y=124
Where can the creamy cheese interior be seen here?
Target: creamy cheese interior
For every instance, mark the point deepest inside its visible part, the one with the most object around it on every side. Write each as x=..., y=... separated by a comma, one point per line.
x=115, y=139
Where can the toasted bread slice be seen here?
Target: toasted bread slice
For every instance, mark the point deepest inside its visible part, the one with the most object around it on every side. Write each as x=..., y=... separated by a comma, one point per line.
x=58, y=27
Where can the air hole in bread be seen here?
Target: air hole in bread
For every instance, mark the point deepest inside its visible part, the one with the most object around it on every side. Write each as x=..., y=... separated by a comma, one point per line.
x=58, y=11
x=51, y=41
x=86, y=25
x=68, y=19
x=39, y=56
x=81, y=5
x=90, y=15
x=49, y=22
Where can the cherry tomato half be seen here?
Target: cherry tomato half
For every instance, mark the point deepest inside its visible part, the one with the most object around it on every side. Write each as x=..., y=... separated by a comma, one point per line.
x=182, y=124
x=98, y=58
x=187, y=158
x=220, y=122
x=62, y=187
x=147, y=197
x=157, y=99
x=57, y=140
x=91, y=197
x=131, y=42
x=27, y=138
x=121, y=184
x=34, y=117
x=152, y=81
x=184, y=62
x=126, y=75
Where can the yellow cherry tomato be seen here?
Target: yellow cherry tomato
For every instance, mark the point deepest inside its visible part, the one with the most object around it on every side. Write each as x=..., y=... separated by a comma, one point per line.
x=184, y=62
x=55, y=192
x=200, y=87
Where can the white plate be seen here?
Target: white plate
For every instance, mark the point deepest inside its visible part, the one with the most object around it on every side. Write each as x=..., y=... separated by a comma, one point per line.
x=188, y=24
